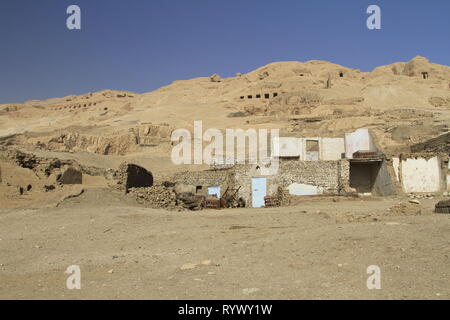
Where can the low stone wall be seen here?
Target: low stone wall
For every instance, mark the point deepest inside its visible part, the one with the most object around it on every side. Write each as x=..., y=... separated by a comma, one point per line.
x=327, y=177
x=205, y=179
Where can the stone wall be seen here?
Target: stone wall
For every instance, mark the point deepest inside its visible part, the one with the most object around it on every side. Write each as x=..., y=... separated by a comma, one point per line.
x=330, y=177
x=205, y=179
x=133, y=176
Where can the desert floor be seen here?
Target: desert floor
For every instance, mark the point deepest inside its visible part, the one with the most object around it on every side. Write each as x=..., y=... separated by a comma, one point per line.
x=319, y=249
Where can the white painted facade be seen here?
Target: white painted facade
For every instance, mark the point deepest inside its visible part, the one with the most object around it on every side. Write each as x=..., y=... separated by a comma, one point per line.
x=358, y=140
x=329, y=148
x=448, y=178
x=420, y=175
x=298, y=189
x=287, y=147
x=396, y=164
x=332, y=148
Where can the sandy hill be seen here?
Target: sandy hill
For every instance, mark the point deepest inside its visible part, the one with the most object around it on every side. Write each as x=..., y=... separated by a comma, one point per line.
x=402, y=103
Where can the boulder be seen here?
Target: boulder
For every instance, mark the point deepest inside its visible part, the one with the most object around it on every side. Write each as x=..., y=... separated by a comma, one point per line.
x=70, y=176
x=215, y=78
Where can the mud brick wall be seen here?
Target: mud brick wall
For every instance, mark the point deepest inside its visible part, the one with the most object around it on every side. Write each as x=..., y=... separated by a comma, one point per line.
x=325, y=174
x=205, y=179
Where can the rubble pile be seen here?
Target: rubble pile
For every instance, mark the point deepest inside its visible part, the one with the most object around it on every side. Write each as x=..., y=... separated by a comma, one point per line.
x=156, y=197
x=44, y=167
x=191, y=201
x=162, y=197
x=421, y=196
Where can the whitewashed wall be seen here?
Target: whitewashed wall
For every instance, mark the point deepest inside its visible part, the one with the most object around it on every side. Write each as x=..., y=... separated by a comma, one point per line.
x=286, y=147
x=421, y=175
x=332, y=148
x=448, y=177
x=358, y=140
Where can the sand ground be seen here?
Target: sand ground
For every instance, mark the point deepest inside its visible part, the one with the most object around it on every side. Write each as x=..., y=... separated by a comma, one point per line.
x=308, y=251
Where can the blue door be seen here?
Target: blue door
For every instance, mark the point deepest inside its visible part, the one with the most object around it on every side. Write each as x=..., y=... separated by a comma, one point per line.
x=259, y=189
x=214, y=191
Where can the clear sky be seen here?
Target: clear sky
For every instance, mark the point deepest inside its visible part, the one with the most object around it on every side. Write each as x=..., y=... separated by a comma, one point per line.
x=141, y=45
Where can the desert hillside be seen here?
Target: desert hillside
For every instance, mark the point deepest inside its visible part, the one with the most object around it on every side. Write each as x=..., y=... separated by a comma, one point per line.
x=403, y=103
x=88, y=181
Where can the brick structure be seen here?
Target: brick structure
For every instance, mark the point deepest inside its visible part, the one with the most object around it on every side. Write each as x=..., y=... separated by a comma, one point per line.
x=331, y=177
x=133, y=176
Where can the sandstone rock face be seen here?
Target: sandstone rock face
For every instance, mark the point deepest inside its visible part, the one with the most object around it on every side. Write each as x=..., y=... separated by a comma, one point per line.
x=416, y=67
x=215, y=78
x=116, y=143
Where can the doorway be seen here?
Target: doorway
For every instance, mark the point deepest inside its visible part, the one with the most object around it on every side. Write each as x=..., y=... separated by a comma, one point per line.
x=214, y=191
x=259, y=191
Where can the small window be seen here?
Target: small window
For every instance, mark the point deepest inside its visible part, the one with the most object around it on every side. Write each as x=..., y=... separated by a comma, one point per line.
x=341, y=74
x=250, y=97
x=242, y=97
x=266, y=95
x=275, y=94
x=198, y=189
x=312, y=150
x=258, y=96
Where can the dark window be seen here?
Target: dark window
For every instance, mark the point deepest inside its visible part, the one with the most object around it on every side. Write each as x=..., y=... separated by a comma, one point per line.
x=266, y=95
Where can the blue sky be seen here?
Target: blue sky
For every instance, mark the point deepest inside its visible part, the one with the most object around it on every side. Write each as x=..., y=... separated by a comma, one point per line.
x=141, y=45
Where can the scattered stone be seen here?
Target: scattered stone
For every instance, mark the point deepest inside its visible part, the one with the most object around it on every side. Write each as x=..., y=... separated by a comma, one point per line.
x=156, y=197
x=414, y=201
x=392, y=223
x=206, y=262
x=188, y=266
x=215, y=78
x=250, y=290
x=48, y=188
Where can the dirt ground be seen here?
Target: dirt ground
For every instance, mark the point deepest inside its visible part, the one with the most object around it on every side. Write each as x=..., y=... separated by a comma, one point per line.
x=319, y=249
